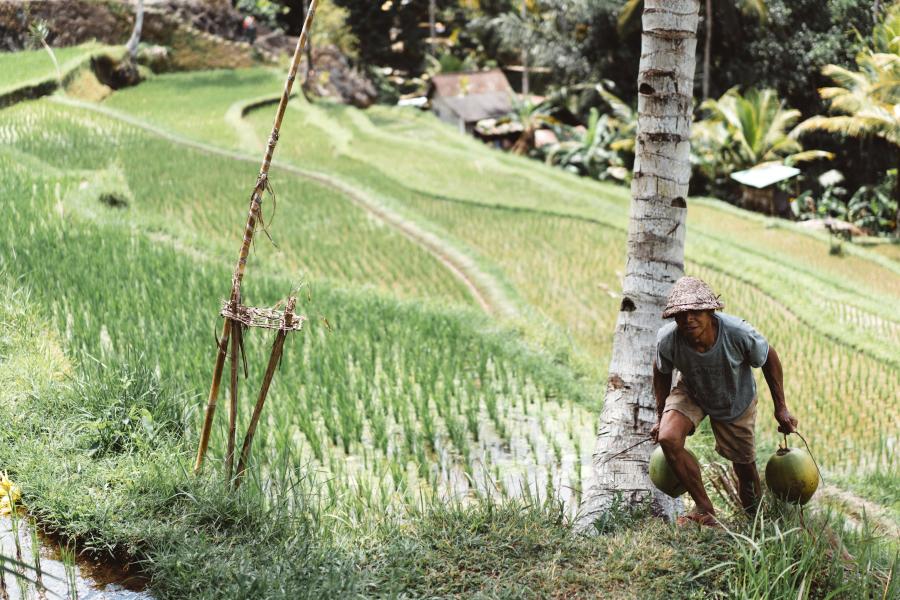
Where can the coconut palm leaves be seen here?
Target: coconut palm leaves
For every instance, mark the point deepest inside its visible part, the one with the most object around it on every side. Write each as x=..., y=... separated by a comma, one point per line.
x=866, y=100
x=744, y=130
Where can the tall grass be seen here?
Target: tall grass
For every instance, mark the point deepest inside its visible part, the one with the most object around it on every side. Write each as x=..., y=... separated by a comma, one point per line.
x=783, y=556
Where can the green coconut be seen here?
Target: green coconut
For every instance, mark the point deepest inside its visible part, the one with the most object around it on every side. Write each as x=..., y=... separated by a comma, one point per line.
x=662, y=475
x=792, y=476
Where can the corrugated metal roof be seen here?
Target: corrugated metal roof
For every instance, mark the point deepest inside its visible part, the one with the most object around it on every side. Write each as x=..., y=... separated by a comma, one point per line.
x=764, y=175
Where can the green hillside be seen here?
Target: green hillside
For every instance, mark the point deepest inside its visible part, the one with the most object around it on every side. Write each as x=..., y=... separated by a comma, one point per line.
x=443, y=395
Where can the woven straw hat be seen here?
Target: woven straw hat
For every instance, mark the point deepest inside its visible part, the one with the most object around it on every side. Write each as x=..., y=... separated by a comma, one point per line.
x=690, y=293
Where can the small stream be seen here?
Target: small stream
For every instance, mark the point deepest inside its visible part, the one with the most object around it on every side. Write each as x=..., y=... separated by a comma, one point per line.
x=62, y=577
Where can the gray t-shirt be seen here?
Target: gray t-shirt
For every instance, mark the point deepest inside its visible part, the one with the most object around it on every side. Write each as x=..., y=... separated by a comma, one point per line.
x=720, y=380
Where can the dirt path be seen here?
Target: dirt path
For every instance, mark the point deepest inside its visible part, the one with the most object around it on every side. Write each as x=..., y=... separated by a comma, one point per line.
x=861, y=510
x=483, y=288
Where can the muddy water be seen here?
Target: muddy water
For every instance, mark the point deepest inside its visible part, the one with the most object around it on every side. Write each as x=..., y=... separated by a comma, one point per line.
x=91, y=580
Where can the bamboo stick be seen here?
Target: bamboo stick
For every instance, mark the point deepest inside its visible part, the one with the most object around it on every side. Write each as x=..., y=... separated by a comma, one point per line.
x=232, y=407
x=262, y=179
x=274, y=357
x=255, y=202
x=213, y=395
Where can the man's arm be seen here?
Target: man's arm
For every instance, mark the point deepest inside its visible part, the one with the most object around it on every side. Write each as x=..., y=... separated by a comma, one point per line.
x=662, y=385
x=774, y=377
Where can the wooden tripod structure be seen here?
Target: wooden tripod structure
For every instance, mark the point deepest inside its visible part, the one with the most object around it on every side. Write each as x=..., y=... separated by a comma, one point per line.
x=238, y=316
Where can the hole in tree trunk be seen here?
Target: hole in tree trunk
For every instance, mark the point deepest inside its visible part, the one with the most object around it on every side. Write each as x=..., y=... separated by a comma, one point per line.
x=679, y=203
x=646, y=89
x=627, y=305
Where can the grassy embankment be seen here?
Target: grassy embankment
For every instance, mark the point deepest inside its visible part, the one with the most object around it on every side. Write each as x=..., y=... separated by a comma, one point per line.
x=31, y=73
x=134, y=474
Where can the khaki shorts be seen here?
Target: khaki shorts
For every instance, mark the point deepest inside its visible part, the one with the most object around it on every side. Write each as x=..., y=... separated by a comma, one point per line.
x=735, y=441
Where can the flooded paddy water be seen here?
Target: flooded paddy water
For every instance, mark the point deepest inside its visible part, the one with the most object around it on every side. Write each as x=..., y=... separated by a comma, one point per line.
x=53, y=571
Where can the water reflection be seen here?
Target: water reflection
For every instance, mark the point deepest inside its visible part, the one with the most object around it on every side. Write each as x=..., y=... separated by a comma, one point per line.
x=59, y=575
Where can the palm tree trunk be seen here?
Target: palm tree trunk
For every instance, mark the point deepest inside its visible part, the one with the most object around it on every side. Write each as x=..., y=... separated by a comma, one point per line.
x=135, y=38
x=707, y=47
x=655, y=256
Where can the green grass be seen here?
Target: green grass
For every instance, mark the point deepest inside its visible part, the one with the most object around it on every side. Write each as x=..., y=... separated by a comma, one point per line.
x=29, y=67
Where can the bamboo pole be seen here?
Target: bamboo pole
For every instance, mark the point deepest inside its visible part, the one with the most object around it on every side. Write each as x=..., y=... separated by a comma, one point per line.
x=262, y=181
x=213, y=395
x=232, y=406
x=274, y=357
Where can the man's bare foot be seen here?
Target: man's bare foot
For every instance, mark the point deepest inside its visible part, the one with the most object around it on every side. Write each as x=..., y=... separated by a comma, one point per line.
x=701, y=519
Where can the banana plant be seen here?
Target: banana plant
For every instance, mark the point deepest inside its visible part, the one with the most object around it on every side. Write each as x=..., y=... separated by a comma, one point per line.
x=603, y=149
x=592, y=153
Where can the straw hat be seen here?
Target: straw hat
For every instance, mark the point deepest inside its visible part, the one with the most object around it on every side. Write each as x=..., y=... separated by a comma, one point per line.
x=690, y=293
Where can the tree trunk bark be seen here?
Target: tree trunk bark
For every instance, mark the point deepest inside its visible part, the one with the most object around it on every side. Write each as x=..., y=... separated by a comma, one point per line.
x=526, y=87
x=707, y=47
x=655, y=257
x=135, y=38
x=432, y=28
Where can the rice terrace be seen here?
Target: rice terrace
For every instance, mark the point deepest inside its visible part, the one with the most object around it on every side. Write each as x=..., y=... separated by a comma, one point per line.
x=491, y=256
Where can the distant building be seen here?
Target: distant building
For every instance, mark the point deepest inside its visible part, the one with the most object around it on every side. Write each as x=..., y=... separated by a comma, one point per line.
x=463, y=99
x=759, y=192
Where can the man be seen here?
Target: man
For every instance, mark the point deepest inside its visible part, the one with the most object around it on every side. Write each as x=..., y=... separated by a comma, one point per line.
x=714, y=354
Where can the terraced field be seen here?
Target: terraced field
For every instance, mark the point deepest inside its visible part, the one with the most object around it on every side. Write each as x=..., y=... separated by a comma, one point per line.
x=401, y=234
x=833, y=318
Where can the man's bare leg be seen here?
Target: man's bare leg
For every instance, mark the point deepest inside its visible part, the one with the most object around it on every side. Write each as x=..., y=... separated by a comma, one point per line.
x=749, y=487
x=673, y=430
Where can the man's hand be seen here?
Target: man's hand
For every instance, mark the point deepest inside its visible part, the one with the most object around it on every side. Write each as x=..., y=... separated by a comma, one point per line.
x=654, y=433
x=787, y=423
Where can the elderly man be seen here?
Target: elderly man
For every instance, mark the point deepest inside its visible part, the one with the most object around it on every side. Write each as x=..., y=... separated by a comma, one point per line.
x=713, y=354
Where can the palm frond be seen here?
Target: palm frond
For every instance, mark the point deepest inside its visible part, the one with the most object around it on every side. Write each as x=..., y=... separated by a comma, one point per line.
x=809, y=155
x=628, y=14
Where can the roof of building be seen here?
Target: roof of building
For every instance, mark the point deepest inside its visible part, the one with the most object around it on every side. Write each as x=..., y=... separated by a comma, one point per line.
x=470, y=83
x=764, y=175
x=472, y=109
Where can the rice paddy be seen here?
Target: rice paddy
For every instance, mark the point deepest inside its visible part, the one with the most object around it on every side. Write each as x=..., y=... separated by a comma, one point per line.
x=399, y=393
x=444, y=413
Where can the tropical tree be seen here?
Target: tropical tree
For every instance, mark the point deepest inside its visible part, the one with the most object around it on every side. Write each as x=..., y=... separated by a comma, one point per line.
x=550, y=34
x=655, y=256
x=866, y=102
x=531, y=116
x=756, y=8
x=743, y=130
